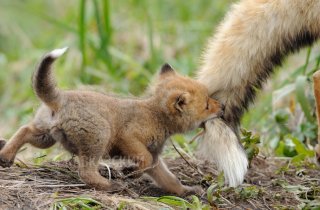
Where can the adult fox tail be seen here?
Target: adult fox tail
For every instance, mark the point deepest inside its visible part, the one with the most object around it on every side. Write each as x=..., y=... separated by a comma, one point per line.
x=252, y=40
x=43, y=82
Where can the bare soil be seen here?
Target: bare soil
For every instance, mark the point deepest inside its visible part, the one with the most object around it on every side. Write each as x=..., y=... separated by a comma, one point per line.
x=271, y=183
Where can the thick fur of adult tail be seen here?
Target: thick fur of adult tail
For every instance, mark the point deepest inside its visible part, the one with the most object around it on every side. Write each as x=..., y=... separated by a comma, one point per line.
x=252, y=40
x=44, y=84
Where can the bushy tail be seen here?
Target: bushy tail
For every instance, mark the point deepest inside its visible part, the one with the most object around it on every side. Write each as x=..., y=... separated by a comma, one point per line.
x=43, y=82
x=220, y=145
x=252, y=40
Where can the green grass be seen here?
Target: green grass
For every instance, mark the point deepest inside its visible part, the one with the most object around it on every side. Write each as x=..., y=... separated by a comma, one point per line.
x=83, y=203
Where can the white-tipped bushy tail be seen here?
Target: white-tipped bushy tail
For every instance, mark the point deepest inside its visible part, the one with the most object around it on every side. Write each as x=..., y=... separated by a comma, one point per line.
x=220, y=145
x=57, y=52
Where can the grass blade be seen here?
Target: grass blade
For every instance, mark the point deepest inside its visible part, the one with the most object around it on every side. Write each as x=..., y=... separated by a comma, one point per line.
x=171, y=201
x=307, y=60
x=105, y=32
x=301, y=83
x=82, y=39
x=107, y=22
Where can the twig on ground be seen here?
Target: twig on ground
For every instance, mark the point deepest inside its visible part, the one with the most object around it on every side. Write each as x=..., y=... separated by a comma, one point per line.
x=254, y=206
x=227, y=201
x=196, y=169
x=265, y=204
x=61, y=185
x=23, y=163
x=138, y=172
x=109, y=170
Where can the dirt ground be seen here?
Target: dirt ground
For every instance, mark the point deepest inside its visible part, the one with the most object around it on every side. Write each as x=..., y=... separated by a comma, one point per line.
x=271, y=183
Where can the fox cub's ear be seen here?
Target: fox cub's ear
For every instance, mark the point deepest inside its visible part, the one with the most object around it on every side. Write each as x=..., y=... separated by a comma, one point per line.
x=178, y=101
x=166, y=69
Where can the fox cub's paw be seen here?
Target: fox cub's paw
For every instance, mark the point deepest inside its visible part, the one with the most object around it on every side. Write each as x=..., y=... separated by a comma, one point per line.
x=3, y=161
x=2, y=143
x=115, y=187
x=191, y=190
x=108, y=186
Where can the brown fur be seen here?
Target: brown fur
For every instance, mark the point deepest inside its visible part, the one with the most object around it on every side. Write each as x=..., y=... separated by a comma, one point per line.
x=93, y=125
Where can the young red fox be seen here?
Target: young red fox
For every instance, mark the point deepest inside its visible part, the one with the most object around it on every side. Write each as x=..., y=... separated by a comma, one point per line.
x=253, y=39
x=93, y=125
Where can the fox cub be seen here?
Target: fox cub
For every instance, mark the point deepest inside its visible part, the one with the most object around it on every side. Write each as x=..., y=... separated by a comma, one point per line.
x=92, y=125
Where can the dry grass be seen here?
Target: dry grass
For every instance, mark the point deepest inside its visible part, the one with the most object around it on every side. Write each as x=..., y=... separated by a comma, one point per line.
x=271, y=183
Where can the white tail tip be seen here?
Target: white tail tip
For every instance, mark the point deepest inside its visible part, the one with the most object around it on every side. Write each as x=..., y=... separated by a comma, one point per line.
x=220, y=145
x=57, y=52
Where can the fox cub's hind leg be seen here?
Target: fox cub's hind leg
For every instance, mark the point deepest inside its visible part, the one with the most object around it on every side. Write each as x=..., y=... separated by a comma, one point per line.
x=26, y=134
x=89, y=173
x=169, y=182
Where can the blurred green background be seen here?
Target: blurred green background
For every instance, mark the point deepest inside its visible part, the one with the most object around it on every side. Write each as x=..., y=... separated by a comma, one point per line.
x=118, y=45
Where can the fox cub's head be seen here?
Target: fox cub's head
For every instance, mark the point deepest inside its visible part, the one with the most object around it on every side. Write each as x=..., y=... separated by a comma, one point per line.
x=185, y=100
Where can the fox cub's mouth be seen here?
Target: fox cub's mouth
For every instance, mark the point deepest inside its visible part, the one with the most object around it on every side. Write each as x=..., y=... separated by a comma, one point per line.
x=218, y=115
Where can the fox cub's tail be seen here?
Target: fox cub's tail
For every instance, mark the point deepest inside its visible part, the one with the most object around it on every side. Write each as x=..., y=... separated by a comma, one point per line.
x=43, y=82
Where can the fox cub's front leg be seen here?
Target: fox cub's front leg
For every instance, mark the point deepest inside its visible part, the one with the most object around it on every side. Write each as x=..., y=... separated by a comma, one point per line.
x=138, y=152
x=169, y=182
